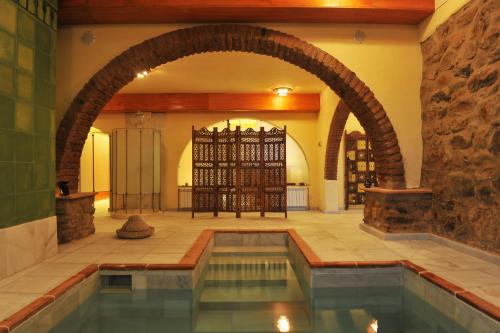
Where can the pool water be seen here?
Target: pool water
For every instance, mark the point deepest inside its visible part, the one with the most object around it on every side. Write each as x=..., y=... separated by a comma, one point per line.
x=257, y=292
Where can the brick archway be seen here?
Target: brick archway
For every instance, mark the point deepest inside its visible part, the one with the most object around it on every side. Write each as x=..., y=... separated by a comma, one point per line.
x=170, y=46
x=334, y=139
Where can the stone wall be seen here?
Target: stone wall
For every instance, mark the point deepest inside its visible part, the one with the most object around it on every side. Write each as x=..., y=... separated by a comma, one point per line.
x=398, y=210
x=75, y=216
x=460, y=125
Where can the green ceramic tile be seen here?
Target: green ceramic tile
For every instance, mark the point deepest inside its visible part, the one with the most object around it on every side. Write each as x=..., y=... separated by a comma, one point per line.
x=53, y=150
x=7, y=211
x=44, y=93
x=25, y=57
x=24, y=177
x=24, y=86
x=7, y=145
x=44, y=119
x=39, y=11
x=24, y=147
x=53, y=3
x=42, y=148
x=7, y=45
x=7, y=170
x=41, y=176
x=25, y=207
x=43, y=204
x=8, y=15
x=6, y=79
x=31, y=6
x=52, y=172
x=24, y=117
x=7, y=112
x=42, y=65
x=44, y=40
x=26, y=26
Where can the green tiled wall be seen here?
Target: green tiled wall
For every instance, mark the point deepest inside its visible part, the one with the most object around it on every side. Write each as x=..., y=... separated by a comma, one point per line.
x=27, y=108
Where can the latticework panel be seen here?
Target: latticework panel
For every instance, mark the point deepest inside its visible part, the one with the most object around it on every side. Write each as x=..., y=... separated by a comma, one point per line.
x=274, y=157
x=239, y=171
x=360, y=166
x=204, y=171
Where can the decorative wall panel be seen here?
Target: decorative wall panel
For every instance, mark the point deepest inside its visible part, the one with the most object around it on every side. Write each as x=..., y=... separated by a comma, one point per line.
x=239, y=171
x=360, y=167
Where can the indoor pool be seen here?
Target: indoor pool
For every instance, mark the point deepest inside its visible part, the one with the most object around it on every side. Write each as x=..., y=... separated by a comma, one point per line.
x=255, y=292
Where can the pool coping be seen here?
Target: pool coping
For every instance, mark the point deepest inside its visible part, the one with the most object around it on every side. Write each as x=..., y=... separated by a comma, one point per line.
x=193, y=255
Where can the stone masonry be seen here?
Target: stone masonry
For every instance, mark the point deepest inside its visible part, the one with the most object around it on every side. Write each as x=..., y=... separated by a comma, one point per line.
x=460, y=125
x=398, y=210
x=75, y=216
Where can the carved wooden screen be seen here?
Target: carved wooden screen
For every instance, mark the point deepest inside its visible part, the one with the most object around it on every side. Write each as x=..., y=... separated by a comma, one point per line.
x=204, y=171
x=226, y=170
x=239, y=171
x=274, y=170
x=360, y=166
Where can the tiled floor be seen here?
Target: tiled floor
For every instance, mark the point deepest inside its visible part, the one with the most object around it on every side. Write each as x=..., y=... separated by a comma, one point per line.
x=334, y=237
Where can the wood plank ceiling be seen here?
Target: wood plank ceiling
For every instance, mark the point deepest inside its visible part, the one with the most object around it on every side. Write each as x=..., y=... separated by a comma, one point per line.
x=73, y=12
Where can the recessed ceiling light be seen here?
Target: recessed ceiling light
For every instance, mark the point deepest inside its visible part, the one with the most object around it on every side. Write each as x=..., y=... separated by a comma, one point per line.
x=282, y=91
x=142, y=74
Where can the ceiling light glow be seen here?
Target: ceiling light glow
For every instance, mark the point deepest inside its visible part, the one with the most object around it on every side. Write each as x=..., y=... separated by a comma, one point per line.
x=282, y=91
x=142, y=75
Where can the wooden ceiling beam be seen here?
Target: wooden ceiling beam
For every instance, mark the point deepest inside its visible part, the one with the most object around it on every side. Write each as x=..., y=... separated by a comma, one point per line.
x=73, y=12
x=213, y=102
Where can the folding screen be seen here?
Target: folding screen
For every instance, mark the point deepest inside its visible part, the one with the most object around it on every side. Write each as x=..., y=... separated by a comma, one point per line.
x=239, y=171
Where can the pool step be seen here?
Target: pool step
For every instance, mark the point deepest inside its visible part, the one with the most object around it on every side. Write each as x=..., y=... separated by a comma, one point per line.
x=249, y=263
x=248, y=271
x=249, y=297
x=245, y=282
x=249, y=251
x=252, y=321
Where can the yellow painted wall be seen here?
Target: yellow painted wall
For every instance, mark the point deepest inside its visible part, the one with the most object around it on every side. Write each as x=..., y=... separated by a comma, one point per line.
x=100, y=173
x=177, y=134
x=389, y=61
x=296, y=163
x=444, y=9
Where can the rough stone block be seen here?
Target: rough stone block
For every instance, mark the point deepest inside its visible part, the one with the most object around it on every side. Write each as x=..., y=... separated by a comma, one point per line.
x=75, y=216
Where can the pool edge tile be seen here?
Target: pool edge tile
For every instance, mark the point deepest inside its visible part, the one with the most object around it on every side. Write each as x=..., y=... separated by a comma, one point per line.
x=88, y=271
x=441, y=283
x=480, y=304
x=122, y=267
x=378, y=263
x=160, y=267
x=26, y=312
x=65, y=286
x=412, y=267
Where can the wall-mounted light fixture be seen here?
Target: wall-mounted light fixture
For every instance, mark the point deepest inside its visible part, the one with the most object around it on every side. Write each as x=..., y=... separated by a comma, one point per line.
x=282, y=91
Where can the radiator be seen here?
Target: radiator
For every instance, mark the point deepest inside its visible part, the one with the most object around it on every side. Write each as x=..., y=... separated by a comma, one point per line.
x=297, y=198
x=184, y=198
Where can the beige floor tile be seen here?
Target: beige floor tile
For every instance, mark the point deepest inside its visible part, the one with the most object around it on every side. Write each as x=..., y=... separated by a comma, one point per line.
x=11, y=302
x=32, y=284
